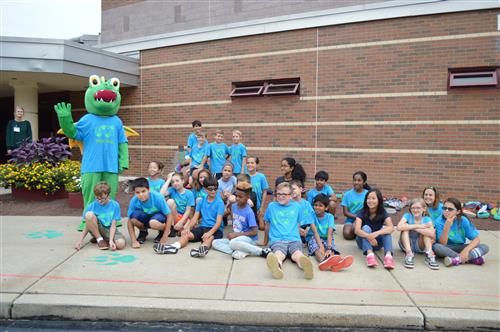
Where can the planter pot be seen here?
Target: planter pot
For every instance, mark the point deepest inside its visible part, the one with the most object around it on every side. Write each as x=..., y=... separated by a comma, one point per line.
x=75, y=200
x=37, y=195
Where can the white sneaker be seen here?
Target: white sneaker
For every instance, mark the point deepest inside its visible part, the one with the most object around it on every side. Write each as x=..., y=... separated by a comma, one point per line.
x=237, y=254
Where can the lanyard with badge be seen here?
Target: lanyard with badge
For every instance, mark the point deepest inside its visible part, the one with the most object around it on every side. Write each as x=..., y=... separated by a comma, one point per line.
x=17, y=129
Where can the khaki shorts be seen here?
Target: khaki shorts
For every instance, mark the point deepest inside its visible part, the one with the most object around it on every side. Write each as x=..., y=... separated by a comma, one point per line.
x=104, y=231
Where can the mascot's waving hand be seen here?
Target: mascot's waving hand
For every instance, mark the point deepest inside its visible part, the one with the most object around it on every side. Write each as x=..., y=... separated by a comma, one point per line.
x=105, y=145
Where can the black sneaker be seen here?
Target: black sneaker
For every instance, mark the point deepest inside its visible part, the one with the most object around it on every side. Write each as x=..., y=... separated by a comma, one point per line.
x=141, y=238
x=173, y=233
x=265, y=252
x=159, y=236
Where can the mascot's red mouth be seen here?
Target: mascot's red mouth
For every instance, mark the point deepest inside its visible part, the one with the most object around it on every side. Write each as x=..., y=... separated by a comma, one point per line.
x=105, y=95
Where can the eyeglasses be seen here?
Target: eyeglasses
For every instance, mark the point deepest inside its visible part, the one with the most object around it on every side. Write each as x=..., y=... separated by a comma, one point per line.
x=448, y=209
x=416, y=208
x=211, y=188
x=102, y=198
x=282, y=194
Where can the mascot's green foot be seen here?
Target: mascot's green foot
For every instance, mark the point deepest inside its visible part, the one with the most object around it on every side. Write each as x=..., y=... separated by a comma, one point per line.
x=81, y=227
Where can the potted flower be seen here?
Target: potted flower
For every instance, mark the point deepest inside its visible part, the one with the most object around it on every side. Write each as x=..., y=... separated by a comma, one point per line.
x=74, y=189
x=38, y=170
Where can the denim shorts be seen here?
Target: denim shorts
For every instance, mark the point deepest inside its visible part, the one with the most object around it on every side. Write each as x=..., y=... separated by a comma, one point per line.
x=144, y=218
x=413, y=243
x=287, y=247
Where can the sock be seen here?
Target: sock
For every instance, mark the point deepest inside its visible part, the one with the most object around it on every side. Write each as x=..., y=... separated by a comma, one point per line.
x=388, y=254
x=176, y=245
x=99, y=239
x=372, y=254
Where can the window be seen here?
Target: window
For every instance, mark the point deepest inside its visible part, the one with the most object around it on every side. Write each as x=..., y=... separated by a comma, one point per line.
x=473, y=77
x=285, y=86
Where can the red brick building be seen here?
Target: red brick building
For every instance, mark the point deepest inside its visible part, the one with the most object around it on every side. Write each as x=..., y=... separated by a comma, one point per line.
x=374, y=95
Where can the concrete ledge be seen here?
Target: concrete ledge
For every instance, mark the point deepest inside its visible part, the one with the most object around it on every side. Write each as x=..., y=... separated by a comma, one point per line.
x=225, y=312
x=460, y=319
x=6, y=300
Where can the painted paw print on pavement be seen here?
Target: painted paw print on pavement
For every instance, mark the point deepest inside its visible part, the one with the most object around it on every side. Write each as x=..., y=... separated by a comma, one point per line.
x=49, y=234
x=112, y=258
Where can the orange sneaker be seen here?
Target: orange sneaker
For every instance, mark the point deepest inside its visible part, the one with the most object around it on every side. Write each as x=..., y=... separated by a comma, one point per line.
x=343, y=264
x=328, y=262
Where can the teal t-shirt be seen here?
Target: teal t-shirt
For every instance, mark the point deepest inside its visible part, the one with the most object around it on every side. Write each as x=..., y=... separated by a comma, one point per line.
x=354, y=202
x=259, y=184
x=182, y=201
x=210, y=211
x=105, y=213
x=284, y=221
x=155, y=185
x=154, y=204
x=237, y=153
x=435, y=213
x=460, y=230
x=312, y=193
x=217, y=152
x=322, y=225
x=411, y=220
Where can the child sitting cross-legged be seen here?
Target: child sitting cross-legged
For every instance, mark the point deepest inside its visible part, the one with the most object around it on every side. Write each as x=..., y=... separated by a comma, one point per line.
x=241, y=242
x=320, y=238
x=210, y=210
x=283, y=219
x=100, y=220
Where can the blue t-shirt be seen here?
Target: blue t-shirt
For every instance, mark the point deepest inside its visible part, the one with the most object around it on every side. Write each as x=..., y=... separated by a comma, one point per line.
x=284, y=221
x=154, y=204
x=354, y=202
x=312, y=193
x=182, y=201
x=199, y=193
x=197, y=154
x=243, y=219
x=100, y=136
x=459, y=230
x=410, y=220
x=229, y=185
x=322, y=225
x=155, y=185
x=210, y=211
x=192, y=140
x=104, y=213
x=217, y=152
x=259, y=184
x=237, y=153
x=435, y=213
x=307, y=213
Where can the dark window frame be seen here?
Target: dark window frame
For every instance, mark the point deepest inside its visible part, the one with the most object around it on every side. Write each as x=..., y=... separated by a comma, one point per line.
x=273, y=87
x=457, y=77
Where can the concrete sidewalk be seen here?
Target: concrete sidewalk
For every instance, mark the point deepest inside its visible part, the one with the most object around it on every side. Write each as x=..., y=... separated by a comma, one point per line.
x=43, y=276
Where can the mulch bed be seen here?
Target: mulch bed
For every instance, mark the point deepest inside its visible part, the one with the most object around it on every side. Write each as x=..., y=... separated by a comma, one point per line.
x=59, y=207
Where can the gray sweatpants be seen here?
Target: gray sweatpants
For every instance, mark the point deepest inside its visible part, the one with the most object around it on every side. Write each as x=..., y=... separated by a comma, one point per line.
x=453, y=250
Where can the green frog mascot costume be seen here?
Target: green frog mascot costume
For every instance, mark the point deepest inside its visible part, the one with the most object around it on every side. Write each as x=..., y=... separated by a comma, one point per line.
x=105, y=145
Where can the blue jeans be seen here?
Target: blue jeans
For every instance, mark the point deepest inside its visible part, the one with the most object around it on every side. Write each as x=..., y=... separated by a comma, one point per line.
x=384, y=241
x=240, y=243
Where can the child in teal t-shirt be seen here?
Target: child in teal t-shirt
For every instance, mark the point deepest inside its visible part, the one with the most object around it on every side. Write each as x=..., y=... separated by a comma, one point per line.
x=238, y=154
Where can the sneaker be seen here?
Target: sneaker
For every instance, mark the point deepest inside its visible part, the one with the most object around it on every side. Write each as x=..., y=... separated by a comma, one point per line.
x=238, y=254
x=163, y=249
x=328, y=262
x=93, y=240
x=274, y=265
x=343, y=264
x=102, y=245
x=307, y=267
x=159, y=236
x=265, y=252
x=388, y=262
x=173, y=233
x=452, y=261
x=409, y=262
x=477, y=261
x=202, y=251
x=141, y=238
x=371, y=261
x=430, y=260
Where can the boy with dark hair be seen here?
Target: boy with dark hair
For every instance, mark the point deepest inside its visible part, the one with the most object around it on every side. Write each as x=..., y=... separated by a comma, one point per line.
x=321, y=178
x=100, y=220
x=192, y=140
x=147, y=209
x=211, y=211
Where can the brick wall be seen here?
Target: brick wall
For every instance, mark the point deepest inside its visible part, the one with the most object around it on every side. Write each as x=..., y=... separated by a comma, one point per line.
x=411, y=66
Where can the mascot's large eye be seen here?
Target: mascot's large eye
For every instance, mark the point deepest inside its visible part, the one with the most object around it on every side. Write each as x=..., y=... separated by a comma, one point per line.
x=94, y=80
x=115, y=82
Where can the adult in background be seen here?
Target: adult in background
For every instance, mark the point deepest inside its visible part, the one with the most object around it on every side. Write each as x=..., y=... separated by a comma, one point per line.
x=18, y=130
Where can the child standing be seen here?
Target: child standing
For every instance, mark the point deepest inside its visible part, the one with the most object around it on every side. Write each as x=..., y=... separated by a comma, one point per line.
x=147, y=209
x=192, y=139
x=259, y=187
x=198, y=154
x=210, y=210
x=241, y=242
x=373, y=228
x=238, y=153
x=320, y=238
x=283, y=219
x=227, y=183
x=321, y=178
x=155, y=181
x=434, y=206
x=180, y=201
x=100, y=220
x=417, y=235
x=452, y=231
x=217, y=153
x=352, y=202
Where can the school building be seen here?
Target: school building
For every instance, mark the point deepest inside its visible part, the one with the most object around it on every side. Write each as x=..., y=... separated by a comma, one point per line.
x=407, y=91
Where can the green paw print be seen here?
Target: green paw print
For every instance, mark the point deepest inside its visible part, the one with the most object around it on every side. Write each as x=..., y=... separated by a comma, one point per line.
x=112, y=258
x=49, y=234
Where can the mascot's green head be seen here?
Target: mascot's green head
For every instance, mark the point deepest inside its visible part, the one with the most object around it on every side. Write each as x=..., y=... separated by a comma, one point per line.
x=103, y=97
